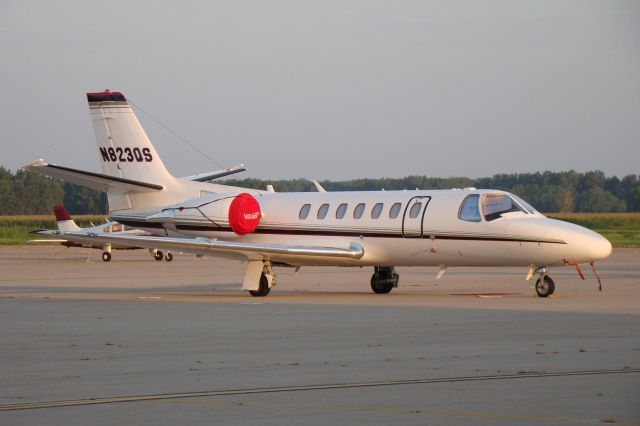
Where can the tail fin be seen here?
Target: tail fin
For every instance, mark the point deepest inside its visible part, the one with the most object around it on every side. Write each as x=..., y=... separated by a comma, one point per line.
x=124, y=147
x=65, y=223
x=126, y=152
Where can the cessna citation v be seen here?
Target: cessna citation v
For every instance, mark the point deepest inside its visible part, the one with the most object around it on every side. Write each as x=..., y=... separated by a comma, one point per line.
x=380, y=229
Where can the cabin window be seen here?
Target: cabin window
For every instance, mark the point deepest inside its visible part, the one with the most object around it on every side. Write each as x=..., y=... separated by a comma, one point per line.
x=116, y=228
x=341, y=210
x=376, y=210
x=106, y=229
x=304, y=211
x=358, y=211
x=395, y=210
x=322, y=211
x=415, y=210
x=495, y=205
x=469, y=209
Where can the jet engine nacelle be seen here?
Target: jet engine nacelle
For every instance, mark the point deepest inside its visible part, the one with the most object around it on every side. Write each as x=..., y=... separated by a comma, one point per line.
x=240, y=212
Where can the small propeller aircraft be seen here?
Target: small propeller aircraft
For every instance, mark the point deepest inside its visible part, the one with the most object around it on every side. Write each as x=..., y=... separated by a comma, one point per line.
x=66, y=225
x=379, y=229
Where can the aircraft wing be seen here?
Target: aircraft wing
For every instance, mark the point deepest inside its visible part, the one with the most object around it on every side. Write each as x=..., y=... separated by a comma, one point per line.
x=97, y=181
x=252, y=251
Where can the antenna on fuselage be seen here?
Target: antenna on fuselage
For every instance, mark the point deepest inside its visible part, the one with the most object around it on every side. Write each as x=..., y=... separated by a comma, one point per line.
x=319, y=187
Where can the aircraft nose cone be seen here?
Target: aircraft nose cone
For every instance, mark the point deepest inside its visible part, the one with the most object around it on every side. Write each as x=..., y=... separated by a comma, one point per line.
x=600, y=248
x=583, y=245
x=588, y=245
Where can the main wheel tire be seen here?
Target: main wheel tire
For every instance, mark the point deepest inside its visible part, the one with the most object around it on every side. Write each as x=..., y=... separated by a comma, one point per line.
x=380, y=284
x=106, y=256
x=158, y=256
x=168, y=257
x=545, y=287
x=263, y=289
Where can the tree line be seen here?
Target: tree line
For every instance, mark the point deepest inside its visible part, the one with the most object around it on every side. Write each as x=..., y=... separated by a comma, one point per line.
x=549, y=192
x=26, y=193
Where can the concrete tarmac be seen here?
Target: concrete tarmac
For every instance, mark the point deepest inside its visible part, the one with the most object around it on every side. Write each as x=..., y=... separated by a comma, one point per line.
x=143, y=342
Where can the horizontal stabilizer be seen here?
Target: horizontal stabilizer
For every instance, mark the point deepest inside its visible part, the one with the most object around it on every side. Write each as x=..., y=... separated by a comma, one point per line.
x=97, y=181
x=213, y=247
x=205, y=177
x=45, y=232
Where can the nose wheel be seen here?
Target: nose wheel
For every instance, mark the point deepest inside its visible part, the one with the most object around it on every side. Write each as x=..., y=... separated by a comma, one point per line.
x=545, y=286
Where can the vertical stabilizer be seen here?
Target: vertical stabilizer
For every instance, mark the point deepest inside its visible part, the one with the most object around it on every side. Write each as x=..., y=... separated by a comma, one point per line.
x=65, y=223
x=124, y=148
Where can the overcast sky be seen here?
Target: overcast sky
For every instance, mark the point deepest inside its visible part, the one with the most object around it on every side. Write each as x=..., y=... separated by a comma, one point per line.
x=331, y=89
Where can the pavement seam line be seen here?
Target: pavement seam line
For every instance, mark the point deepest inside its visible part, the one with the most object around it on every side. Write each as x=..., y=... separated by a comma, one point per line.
x=200, y=394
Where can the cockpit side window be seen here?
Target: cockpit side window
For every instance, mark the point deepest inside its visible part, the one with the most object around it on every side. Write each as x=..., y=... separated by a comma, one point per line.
x=469, y=210
x=495, y=205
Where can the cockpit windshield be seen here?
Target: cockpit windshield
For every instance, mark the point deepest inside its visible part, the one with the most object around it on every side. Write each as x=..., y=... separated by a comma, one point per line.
x=495, y=205
x=524, y=204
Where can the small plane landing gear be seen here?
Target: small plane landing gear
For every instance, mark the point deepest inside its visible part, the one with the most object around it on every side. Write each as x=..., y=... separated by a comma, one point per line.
x=384, y=279
x=158, y=255
x=168, y=257
x=545, y=286
x=106, y=253
x=263, y=288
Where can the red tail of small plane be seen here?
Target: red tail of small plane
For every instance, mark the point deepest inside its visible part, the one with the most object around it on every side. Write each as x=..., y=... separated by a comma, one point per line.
x=65, y=223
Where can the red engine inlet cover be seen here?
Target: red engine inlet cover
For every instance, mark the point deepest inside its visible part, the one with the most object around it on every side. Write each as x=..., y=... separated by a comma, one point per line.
x=244, y=214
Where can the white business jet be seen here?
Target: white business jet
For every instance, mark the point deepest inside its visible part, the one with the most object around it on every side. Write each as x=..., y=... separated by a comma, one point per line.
x=382, y=229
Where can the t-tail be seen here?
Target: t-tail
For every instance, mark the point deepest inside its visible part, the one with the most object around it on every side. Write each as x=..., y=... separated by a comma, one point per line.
x=125, y=151
x=133, y=175
x=124, y=148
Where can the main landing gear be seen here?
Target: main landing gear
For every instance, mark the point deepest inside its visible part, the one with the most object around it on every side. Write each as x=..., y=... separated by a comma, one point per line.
x=544, y=285
x=259, y=278
x=158, y=255
x=384, y=279
x=263, y=287
x=106, y=253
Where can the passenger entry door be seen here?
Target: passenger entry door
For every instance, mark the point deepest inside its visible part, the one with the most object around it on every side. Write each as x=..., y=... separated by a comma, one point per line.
x=414, y=217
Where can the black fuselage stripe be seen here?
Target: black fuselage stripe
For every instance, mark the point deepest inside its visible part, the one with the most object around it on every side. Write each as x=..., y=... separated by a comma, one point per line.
x=329, y=233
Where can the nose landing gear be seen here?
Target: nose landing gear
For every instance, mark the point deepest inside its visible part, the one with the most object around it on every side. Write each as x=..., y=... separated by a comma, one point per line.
x=544, y=285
